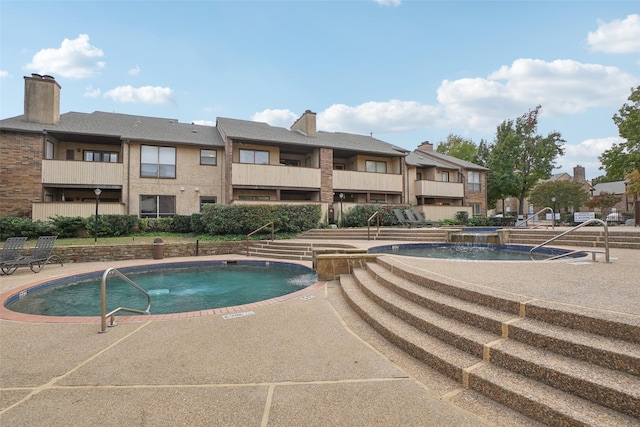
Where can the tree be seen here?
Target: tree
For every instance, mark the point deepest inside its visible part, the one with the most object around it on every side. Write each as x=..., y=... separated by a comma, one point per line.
x=624, y=157
x=482, y=153
x=603, y=201
x=458, y=147
x=520, y=158
x=569, y=195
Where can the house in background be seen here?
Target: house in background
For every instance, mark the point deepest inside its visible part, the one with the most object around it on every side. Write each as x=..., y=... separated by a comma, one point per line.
x=441, y=185
x=617, y=188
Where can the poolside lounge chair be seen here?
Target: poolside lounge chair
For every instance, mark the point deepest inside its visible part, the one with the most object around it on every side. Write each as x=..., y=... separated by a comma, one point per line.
x=401, y=218
x=12, y=250
x=41, y=256
x=413, y=220
x=420, y=218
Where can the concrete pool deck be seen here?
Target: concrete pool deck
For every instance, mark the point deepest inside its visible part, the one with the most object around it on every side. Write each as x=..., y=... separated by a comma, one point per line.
x=306, y=360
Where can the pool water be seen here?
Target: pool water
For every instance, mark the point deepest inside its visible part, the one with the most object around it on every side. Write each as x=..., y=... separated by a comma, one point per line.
x=468, y=252
x=172, y=290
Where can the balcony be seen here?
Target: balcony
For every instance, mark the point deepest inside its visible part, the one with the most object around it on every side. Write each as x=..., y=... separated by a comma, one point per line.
x=367, y=181
x=93, y=174
x=439, y=189
x=43, y=210
x=274, y=176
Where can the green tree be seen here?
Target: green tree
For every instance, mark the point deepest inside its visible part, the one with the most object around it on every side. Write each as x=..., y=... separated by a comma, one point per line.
x=603, y=201
x=569, y=195
x=482, y=153
x=458, y=147
x=520, y=158
x=624, y=157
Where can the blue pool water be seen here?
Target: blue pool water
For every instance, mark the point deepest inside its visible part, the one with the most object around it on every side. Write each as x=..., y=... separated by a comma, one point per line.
x=468, y=252
x=174, y=288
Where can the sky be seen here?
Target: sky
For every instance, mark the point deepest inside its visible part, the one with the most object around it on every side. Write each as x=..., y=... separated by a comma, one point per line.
x=404, y=71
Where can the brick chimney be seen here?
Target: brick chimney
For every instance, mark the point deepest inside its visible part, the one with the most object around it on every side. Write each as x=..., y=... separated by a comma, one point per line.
x=41, y=99
x=579, y=174
x=306, y=124
x=425, y=146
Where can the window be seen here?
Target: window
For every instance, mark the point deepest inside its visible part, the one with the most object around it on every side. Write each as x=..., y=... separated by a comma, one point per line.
x=208, y=157
x=158, y=162
x=254, y=156
x=204, y=201
x=101, y=156
x=418, y=176
x=157, y=206
x=338, y=166
x=445, y=176
x=473, y=179
x=477, y=209
x=290, y=162
x=254, y=198
x=374, y=166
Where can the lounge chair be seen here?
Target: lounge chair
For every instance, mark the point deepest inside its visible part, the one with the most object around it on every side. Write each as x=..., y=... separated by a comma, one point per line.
x=42, y=255
x=413, y=220
x=420, y=218
x=401, y=218
x=12, y=250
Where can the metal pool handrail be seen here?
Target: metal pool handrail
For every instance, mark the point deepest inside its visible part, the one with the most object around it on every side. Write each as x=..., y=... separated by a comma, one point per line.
x=103, y=299
x=553, y=216
x=259, y=229
x=376, y=214
x=591, y=221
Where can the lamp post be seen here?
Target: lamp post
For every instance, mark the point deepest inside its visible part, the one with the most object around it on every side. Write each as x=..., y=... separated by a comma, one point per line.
x=341, y=196
x=95, y=236
x=553, y=215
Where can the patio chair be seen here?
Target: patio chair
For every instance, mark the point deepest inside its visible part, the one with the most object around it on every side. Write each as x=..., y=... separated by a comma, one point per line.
x=401, y=218
x=420, y=218
x=42, y=255
x=413, y=220
x=12, y=250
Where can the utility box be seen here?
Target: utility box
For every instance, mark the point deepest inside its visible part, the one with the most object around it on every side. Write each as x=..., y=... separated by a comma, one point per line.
x=158, y=248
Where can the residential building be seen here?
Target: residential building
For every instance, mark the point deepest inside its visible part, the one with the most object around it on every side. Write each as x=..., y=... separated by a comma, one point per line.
x=441, y=185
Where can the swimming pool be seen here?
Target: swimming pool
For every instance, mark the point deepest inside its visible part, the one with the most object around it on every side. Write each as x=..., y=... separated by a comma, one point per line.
x=174, y=288
x=481, y=252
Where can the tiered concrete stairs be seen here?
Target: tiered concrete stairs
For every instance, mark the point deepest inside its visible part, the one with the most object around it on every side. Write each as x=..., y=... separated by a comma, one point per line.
x=427, y=235
x=545, y=360
x=287, y=249
x=583, y=237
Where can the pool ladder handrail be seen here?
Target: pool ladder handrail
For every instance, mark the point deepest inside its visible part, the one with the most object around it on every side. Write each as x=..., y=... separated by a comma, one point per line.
x=593, y=251
x=375, y=215
x=260, y=229
x=535, y=215
x=103, y=299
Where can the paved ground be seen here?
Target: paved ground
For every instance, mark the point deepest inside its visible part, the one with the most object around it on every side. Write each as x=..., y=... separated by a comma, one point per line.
x=303, y=361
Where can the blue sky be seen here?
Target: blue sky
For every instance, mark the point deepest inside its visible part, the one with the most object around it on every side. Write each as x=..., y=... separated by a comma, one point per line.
x=405, y=71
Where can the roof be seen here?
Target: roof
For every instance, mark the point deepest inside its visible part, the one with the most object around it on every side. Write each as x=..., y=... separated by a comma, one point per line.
x=123, y=126
x=258, y=131
x=422, y=158
x=616, y=187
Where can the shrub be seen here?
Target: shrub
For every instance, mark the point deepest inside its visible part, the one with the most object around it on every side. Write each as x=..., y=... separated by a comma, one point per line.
x=478, y=221
x=243, y=219
x=359, y=214
x=68, y=226
x=198, y=226
x=181, y=224
x=462, y=217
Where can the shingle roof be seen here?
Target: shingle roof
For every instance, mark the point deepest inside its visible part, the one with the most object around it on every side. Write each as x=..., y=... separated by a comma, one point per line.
x=616, y=187
x=435, y=159
x=123, y=126
x=258, y=131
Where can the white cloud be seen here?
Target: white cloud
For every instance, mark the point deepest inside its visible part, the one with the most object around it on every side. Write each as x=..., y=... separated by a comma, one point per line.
x=4, y=74
x=142, y=95
x=91, y=92
x=134, y=71
x=280, y=118
x=75, y=59
x=388, y=2
x=204, y=122
x=586, y=154
x=617, y=36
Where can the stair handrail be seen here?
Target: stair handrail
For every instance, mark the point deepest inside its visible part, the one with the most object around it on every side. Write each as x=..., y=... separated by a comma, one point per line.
x=103, y=299
x=590, y=221
x=532, y=216
x=376, y=215
x=260, y=229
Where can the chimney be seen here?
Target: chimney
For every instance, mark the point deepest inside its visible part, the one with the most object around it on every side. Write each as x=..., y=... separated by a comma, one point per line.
x=306, y=124
x=579, y=174
x=41, y=99
x=425, y=146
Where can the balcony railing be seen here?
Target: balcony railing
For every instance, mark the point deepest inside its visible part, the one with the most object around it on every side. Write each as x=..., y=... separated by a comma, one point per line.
x=43, y=210
x=439, y=189
x=275, y=176
x=86, y=173
x=367, y=181
x=439, y=213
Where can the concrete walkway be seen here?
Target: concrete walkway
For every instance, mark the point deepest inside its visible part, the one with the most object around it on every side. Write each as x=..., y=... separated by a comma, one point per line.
x=305, y=361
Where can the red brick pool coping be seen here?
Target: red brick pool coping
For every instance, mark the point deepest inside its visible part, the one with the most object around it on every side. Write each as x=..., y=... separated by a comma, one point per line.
x=6, y=314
